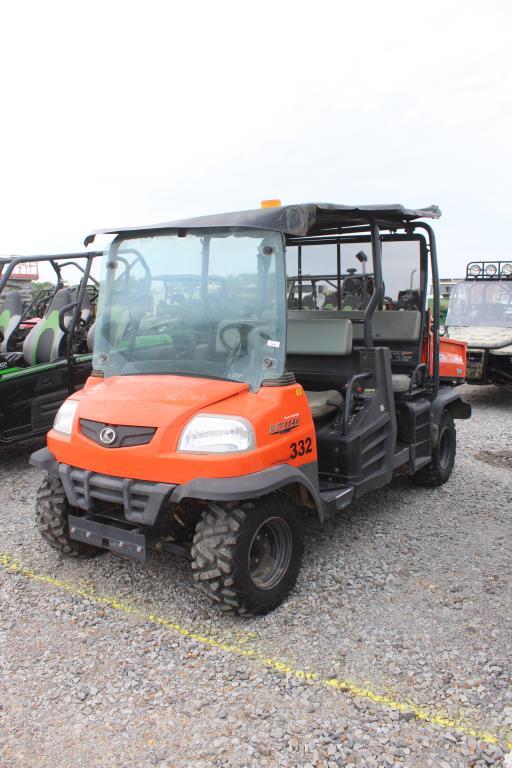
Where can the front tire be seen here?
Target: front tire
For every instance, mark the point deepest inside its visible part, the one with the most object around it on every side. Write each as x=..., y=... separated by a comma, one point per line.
x=52, y=510
x=443, y=457
x=246, y=556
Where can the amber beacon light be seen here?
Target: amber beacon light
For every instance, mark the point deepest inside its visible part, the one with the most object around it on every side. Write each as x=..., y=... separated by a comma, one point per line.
x=270, y=203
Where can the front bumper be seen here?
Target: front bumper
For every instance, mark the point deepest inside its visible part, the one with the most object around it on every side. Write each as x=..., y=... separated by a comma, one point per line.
x=142, y=500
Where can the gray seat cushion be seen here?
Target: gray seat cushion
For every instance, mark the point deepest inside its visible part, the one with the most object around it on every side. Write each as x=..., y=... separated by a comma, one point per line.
x=322, y=403
x=401, y=382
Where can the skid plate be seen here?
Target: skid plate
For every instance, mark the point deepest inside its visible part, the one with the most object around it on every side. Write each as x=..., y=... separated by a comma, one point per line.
x=129, y=541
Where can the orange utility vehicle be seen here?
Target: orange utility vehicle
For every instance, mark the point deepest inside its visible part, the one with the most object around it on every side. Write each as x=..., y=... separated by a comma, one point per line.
x=216, y=416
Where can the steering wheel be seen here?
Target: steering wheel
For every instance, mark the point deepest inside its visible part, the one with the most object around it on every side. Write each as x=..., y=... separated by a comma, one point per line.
x=241, y=332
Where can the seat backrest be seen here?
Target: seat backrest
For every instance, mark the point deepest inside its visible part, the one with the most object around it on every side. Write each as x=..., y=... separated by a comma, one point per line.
x=309, y=334
x=10, y=317
x=350, y=301
x=44, y=342
x=90, y=337
x=390, y=326
x=86, y=309
x=353, y=294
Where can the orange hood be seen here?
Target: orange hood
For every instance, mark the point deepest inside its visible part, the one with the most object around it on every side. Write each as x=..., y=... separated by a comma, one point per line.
x=151, y=401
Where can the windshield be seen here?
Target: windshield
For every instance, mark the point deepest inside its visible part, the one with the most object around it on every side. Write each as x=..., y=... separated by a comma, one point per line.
x=481, y=303
x=210, y=303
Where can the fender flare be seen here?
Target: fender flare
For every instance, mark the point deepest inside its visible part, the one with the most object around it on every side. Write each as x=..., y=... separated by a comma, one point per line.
x=449, y=399
x=252, y=486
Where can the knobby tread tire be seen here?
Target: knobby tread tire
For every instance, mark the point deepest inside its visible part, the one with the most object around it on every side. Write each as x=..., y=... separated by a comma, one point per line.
x=219, y=569
x=52, y=509
x=433, y=475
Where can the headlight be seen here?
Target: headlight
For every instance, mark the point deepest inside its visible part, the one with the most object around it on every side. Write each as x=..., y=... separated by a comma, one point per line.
x=64, y=419
x=491, y=270
x=474, y=270
x=217, y=434
x=506, y=270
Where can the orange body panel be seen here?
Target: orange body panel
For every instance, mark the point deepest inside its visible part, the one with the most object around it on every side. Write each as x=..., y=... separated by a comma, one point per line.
x=452, y=356
x=168, y=403
x=452, y=359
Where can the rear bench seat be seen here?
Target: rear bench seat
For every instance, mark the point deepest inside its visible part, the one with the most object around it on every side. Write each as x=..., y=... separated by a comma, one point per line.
x=402, y=325
x=330, y=332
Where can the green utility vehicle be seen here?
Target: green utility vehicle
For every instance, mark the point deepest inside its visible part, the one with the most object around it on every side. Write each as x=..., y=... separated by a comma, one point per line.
x=44, y=349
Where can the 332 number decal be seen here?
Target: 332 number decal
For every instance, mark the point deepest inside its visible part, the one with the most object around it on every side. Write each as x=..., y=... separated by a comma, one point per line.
x=300, y=448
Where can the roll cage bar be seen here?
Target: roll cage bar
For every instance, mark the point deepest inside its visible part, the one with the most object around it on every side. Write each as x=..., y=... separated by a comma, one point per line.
x=58, y=262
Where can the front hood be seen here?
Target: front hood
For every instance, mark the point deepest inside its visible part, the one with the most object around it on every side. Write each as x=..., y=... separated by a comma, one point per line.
x=151, y=401
x=482, y=337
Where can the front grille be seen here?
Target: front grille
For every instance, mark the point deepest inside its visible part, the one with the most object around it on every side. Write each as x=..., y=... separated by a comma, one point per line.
x=125, y=436
x=140, y=500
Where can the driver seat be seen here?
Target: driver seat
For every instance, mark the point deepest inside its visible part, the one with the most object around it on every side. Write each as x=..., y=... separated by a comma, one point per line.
x=10, y=317
x=325, y=402
x=44, y=343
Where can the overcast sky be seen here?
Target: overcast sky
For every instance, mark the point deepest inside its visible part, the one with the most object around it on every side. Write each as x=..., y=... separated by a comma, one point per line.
x=137, y=112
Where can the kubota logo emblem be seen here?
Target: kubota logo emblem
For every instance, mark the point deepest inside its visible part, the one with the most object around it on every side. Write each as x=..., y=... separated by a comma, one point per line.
x=107, y=436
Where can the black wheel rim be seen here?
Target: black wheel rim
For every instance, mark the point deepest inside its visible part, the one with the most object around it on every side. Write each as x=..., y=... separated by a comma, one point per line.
x=445, y=447
x=270, y=553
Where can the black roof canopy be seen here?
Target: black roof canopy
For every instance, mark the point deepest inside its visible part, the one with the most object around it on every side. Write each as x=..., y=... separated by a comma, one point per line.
x=293, y=220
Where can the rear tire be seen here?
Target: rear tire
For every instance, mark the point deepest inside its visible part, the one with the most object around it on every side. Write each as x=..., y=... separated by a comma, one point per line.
x=443, y=458
x=52, y=510
x=246, y=556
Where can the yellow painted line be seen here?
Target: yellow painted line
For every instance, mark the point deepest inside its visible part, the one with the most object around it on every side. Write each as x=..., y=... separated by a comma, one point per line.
x=8, y=563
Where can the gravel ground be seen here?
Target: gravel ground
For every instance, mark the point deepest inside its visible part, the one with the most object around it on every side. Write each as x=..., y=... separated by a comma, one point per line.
x=407, y=596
